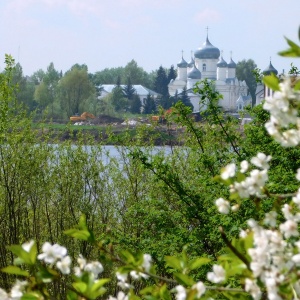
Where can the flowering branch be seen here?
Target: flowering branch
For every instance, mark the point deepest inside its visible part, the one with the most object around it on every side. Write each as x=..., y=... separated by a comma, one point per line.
x=233, y=249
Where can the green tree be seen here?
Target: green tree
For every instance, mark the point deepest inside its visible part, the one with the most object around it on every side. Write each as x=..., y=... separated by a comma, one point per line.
x=172, y=74
x=118, y=100
x=107, y=76
x=135, y=104
x=245, y=71
x=128, y=90
x=75, y=87
x=38, y=76
x=185, y=99
x=161, y=82
x=136, y=74
x=149, y=105
x=46, y=92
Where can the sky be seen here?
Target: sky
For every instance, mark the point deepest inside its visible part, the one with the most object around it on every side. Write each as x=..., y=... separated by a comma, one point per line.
x=110, y=33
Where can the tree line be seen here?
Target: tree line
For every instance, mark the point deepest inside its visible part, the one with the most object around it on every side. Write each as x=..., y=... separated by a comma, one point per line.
x=59, y=95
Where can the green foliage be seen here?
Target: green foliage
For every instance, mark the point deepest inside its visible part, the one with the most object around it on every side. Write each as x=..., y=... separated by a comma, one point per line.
x=149, y=105
x=75, y=87
x=118, y=100
x=244, y=71
x=161, y=82
x=184, y=98
x=294, y=50
x=149, y=200
x=272, y=82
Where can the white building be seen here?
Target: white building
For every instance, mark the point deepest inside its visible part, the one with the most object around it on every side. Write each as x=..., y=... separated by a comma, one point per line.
x=140, y=90
x=208, y=63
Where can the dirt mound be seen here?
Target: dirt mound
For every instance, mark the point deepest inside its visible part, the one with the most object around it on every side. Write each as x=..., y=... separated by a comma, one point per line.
x=106, y=119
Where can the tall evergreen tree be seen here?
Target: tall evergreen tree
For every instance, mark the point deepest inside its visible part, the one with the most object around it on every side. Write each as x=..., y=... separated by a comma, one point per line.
x=161, y=82
x=185, y=99
x=129, y=90
x=172, y=74
x=117, y=99
x=118, y=81
x=135, y=104
x=244, y=71
x=165, y=102
x=149, y=105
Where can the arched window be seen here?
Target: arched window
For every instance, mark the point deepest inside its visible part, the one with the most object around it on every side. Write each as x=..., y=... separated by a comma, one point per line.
x=204, y=67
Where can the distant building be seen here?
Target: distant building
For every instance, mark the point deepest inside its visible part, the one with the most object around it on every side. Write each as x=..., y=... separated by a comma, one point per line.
x=208, y=63
x=141, y=91
x=262, y=90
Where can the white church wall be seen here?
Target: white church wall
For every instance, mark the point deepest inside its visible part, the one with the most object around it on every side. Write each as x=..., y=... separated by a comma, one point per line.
x=207, y=67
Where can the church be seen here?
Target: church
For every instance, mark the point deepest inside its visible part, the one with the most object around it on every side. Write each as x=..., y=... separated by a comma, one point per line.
x=207, y=62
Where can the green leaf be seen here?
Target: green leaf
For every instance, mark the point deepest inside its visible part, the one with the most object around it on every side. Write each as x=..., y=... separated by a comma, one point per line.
x=234, y=295
x=294, y=51
x=46, y=274
x=272, y=82
x=81, y=232
x=15, y=270
x=33, y=253
x=174, y=262
x=82, y=222
x=31, y=296
x=72, y=295
x=198, y=262
x=99, y=283
x=129, y=258
x=240, y=177
x=297, y=86
x=184, y=279
x=78, y=234
x=81, y=287
x=164, y=293
x=24, y=256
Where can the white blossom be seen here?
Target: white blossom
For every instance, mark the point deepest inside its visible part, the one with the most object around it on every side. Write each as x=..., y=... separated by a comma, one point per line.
x=252, y=287
x=200, y=288
x=261, y=160
x=180, y=292
x=296, y=259
x=18, y=289
x=243, y=234
x=94, y=267
x=289, y=228
x=244, y=166
x=122, y=280
x=270, y=218
x=235, y=207
x=296, y=199
x=27, y=246
x=120, y=296
x=3, y=295
x=228, y=171
x=218, y=275
x=64, y=265
x=51, y=253
x=223, y=206
x=147, y=259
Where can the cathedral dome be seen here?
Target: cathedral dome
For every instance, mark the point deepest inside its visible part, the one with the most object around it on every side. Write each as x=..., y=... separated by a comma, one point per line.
x=270, y=69
x=207, y=51
x=231, y=64
x=194, y=73
x=182, y=64
x=191, y=63
x=222, y=63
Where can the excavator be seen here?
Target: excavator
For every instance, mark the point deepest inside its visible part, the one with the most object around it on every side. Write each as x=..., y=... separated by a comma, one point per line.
x=83, y=117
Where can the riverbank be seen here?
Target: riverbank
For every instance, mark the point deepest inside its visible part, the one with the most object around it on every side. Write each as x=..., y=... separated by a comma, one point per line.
x=116, y=134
